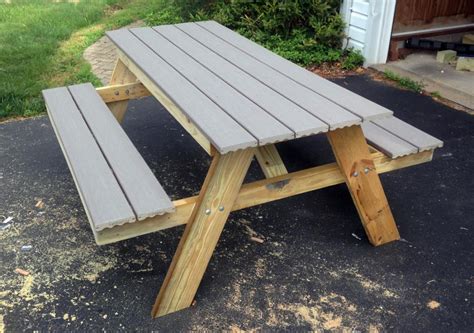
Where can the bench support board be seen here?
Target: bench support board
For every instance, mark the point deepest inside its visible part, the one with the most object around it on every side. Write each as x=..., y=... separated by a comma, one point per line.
x=207, y=220
x=257, y=193
x=359, y=172
x=122, y=92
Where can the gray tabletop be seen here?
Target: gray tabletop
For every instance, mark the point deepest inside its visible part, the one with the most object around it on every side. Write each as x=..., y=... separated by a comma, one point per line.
x=236, y=92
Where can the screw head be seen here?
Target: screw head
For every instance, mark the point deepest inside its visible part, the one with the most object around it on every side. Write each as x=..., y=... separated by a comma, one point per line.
x=116, y=92
x=355, y=174
x=221, y=208
x=208, y=211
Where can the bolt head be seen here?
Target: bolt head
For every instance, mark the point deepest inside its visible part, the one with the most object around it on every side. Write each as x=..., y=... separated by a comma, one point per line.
x=208, y=211
x=116, y=92
x=355, y=174
x=366, y=170
x=221, y=208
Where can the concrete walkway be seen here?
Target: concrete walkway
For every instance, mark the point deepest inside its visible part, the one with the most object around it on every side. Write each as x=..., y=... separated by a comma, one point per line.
x=312, y=272
x=457, y=86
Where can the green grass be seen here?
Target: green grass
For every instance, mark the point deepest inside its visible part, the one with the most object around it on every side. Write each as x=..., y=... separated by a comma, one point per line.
x=404, y=82
x=42, y=44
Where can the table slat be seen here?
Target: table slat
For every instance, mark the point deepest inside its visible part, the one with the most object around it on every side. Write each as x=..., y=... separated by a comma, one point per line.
x=223, y=131
x=299, y=120
x=324, y=109
x=256, y=121
x=355, y=103
x=139, y=184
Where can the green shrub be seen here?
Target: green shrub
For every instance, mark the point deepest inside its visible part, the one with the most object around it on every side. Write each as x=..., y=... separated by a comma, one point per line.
x=352, y=59
x=307, y=32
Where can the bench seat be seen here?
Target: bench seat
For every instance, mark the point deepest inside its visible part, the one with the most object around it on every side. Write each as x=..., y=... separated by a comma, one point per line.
x=115, y=184
x=396, y=138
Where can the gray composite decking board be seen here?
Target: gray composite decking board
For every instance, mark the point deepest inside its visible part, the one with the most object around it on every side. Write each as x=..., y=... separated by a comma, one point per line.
x=357, y=104
x=101, y=195
x=142, y=189
x=386, y=142
x=294, y=117
x=324, y=109
x=409, y=133
x=265, y=128
x=221, y=130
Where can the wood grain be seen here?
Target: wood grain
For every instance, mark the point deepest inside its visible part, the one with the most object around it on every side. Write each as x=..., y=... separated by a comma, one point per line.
x=200, y=237
x=120, y=75
x=353, y=157
x=259, y=192
x=270, y=161
x=120, y=92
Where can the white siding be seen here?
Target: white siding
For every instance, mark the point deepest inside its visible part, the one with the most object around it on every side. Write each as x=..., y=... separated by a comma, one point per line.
x=368, y=27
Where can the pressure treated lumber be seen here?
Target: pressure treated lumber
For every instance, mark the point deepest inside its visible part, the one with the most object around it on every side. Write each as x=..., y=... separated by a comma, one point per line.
x=120, y=92
x=270, y=161
x=120, y=75
x=353, y=157
x=203, y=230
x=259, y=192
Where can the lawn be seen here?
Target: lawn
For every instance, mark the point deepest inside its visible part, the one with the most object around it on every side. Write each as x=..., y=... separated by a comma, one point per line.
x=42, y=42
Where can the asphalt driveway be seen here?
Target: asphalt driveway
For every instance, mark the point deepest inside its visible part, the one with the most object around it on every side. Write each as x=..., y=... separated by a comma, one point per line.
x=311, y=272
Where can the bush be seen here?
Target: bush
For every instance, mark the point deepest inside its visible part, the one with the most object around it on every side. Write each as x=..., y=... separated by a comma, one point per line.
x=307, y=32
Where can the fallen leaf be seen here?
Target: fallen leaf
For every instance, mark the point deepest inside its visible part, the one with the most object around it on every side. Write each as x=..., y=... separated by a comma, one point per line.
x=256, y=239
x=22, y=272
x=40, y=204
x=433, y=305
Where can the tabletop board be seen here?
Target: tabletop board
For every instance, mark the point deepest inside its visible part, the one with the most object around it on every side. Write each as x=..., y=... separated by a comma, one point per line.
x=237, y=93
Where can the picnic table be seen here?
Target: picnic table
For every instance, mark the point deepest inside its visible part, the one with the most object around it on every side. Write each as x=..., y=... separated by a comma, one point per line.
x=236, y=99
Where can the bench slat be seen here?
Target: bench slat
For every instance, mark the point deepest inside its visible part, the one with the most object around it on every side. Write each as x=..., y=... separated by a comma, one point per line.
x=294, y=117
x=355, y=103
x=223, y=131
x=324, y=109
x=386, y=142
x=101, y=195
x=250, y=116
x=140, y=186
x=409, y=133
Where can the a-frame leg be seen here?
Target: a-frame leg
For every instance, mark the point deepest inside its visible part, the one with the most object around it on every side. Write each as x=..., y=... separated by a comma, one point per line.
x=353, y=157
x=217, y=196
x=120, y=75
x=270, y=161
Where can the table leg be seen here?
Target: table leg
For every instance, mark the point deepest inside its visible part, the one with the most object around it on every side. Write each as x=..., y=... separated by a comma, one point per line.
x=217, y=196
x=120, y=75
x=270, y=161
x=353, y=157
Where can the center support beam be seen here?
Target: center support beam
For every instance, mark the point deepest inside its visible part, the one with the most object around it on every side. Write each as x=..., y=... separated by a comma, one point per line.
x=208, y=217
x=361, y=177
x=258, y=193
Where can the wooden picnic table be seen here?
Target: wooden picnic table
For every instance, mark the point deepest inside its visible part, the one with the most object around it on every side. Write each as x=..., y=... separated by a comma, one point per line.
x=236, y=99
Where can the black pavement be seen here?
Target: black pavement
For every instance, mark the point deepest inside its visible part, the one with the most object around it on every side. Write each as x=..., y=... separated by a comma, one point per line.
x=311, y=272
